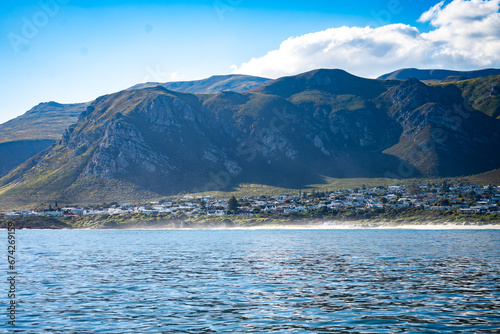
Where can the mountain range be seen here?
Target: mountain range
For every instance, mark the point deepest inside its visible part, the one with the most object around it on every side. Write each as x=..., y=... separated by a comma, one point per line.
x=212, y=85
x=439, y=75
x=150, y=141
x=26, y=135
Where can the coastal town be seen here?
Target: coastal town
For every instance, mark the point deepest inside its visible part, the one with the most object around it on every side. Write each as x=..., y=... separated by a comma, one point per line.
x=463, y=199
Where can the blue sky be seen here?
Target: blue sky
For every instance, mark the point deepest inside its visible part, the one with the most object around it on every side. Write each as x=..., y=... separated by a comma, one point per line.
x=74, y=51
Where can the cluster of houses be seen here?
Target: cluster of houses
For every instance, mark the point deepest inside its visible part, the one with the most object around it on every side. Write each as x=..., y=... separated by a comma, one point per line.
x=471, y=199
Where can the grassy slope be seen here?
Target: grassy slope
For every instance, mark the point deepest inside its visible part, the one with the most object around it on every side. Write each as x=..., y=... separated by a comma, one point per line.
x=491, y=177
x=82, y=191
x=437, y=75
x=336, y=82
x=214, y=84
x=14, y=153
x=45, y=121
x=483, y=94
x=27, y=135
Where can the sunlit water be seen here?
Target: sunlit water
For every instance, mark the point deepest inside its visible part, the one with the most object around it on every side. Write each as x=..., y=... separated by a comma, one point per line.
x=236, y=281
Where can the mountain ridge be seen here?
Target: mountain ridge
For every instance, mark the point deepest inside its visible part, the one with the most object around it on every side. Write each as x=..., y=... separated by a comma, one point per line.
x=41, y=126
x=438, y=75
x=47, y=120
x=291, y=132
x=211, y=85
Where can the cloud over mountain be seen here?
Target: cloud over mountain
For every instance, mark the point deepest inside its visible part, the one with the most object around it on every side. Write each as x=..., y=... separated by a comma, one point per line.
x=464, y=35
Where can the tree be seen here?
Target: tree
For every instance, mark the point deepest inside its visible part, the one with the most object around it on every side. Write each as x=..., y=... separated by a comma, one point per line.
x=445, y=187
x=414, y=189
x=232, y=205
x=443, y=202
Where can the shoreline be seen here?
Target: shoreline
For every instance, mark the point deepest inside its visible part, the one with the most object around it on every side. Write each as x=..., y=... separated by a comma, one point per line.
x=245, y=223
x=429, y=227
x=382, y=227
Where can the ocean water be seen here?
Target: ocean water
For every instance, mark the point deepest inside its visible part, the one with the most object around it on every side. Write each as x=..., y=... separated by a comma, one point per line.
x=256, y=281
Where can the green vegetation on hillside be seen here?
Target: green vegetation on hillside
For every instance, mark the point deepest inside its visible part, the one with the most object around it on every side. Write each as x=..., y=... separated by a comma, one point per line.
x=438, y=75
x=44, y=121
x=212, y=85
x=483, y=94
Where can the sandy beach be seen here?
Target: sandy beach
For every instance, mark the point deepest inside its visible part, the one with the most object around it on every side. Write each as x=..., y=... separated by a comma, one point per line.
x=350, y=226
x=344, y=226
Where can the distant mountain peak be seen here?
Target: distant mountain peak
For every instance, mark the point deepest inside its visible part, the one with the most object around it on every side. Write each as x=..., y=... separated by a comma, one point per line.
x=211, y=85
x=44, y=107
x=51, y=104
x=439, y=74
x=333, y=81
x=413, y=82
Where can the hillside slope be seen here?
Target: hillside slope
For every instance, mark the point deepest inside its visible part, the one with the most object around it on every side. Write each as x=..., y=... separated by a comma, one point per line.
x=44, y=121
x=482, y=94
x=34, y=131
x=23, y=137
x=214, y=84
x=295, y=131
x=439, y=75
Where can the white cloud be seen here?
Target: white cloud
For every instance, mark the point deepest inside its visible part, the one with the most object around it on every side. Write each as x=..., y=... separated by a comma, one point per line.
x=431, y=13
x=460, y=12
x=466, y=35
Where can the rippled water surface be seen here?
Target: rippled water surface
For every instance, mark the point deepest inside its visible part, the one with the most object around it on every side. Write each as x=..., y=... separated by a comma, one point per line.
x=306, y=281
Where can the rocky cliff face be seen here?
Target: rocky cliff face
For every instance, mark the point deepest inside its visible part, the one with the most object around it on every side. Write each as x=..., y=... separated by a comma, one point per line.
x=152, y=142
x=442, y=134
x=155, y=138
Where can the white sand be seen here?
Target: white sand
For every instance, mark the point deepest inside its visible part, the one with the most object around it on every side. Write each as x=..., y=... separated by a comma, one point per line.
x=350, y=226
